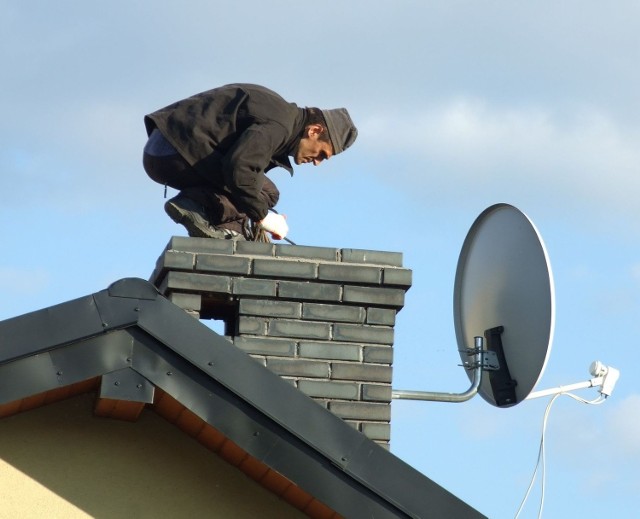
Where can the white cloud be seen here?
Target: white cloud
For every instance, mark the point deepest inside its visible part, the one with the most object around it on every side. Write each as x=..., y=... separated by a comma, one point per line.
x=469, y=132
x=23, y=281
x=623, y=427
x=596, y=441
x=469, y=148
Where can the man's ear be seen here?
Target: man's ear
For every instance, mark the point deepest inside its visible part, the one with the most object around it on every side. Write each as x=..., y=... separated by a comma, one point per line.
x=315, y=130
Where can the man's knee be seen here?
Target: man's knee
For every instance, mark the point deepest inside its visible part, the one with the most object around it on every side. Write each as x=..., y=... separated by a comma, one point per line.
x=269, y=193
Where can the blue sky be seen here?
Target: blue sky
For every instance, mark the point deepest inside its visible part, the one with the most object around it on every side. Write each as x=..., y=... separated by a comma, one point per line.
x=459, y=104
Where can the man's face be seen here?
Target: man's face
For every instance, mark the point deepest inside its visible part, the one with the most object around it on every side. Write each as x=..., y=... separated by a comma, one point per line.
x=311, y=150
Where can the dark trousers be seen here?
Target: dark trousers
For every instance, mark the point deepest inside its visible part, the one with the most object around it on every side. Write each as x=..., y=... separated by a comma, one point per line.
x=174, y=171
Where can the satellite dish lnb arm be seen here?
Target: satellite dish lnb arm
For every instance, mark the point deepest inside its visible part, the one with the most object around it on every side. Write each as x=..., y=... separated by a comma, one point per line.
x=477, y=366
x=605, y=377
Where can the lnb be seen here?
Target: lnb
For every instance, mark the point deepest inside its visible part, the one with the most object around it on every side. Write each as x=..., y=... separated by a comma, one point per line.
x=608, y=375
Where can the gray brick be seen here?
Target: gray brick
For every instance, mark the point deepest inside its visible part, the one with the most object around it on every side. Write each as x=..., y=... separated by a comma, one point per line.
x=350, y=273
x=309, y=291
x=362, y=333
x=299, y=251
x=397, y=277
x=270, y=308
x=177, y=260
x=376, y=431
x=378, y=354
x=251, y=325
x=300, y=329
x=206, y=245
x=393, y=259
x=196, y=282
x=285, y=268
x=254, y=287
x=361, y=411
x=381, y=316
x=255, y=248
x=333, y=313
x=266, y=346
x=321, y=318
x=321, y=389
x=191, y=302
x=299, y=368
x=360, y=372
x=330, y=350
x=376, y=392
x=393, y=297
x=223, y=264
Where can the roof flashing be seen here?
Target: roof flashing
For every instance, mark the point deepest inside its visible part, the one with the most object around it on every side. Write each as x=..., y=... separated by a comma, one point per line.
x=132, y=334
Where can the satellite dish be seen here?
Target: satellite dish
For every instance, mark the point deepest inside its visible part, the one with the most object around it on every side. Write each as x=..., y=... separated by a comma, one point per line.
x=504, y=314
x=504, y=291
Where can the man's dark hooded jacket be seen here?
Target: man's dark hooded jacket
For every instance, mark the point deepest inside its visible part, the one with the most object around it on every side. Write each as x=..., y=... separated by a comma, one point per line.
x=231, y=135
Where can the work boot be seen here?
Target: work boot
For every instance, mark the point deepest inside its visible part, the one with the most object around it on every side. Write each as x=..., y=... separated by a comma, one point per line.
x=193, y=216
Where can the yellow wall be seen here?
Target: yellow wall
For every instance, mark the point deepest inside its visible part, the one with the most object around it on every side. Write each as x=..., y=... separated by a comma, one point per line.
x=59, y=461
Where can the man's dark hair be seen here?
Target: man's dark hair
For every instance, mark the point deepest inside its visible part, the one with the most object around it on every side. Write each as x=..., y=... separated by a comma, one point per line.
x=314, y=116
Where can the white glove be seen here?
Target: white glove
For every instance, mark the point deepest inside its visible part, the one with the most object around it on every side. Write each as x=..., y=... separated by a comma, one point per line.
x=276, y=224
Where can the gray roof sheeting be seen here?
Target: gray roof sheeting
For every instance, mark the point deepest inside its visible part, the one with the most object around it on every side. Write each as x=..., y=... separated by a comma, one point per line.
x=131, y=326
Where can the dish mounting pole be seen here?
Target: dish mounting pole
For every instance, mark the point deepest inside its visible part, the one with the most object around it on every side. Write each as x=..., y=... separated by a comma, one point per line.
x=482, y=360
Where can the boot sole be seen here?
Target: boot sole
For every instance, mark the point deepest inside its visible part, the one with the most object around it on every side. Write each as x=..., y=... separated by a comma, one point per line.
x=194, y=228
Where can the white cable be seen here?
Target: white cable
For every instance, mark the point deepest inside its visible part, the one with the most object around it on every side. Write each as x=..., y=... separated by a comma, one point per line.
x=541, y=451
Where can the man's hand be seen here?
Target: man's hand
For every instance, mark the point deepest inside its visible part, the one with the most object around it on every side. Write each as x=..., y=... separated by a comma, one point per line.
x=276, y=224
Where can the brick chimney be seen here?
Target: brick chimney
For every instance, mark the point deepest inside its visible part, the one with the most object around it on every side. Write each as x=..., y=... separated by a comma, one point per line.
x=319, y=317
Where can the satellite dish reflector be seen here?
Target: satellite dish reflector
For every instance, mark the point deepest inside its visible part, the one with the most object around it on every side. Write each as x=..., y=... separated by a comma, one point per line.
x=503, y=308
x=504, y=292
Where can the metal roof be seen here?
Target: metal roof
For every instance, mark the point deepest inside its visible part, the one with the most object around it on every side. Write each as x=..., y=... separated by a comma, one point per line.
x=137, y=340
